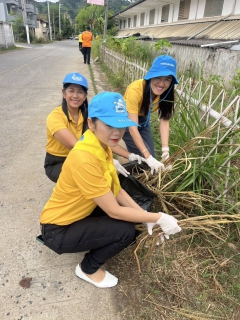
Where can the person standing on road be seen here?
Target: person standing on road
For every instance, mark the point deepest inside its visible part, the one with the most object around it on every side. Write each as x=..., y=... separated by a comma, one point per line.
x=155, y=92
x=66, y=124
x=87, y=38
x=80, y=40
x=88, y=210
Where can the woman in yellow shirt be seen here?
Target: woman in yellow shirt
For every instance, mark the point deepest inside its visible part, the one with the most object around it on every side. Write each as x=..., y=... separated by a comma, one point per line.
x=155, y=92
x=88, y=210
x=66, y=123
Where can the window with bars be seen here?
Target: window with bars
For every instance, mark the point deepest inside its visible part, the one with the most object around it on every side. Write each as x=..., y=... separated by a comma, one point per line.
x=142, y=19
x=165, y=13
x=152, y=16
x=213, y=8
x=184, y=8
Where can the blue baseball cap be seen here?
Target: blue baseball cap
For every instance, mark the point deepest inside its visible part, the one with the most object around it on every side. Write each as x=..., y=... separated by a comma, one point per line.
x=163, y=66
x=76, y=78
x=110, y=108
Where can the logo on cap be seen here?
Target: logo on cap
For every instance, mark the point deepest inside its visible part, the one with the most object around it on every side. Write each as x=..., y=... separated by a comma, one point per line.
x=76, y=78
x=119, y=106
x=167, y=64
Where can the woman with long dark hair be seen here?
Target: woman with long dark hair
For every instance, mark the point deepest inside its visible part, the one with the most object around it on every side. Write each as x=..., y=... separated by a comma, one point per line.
x=66, y=124
x=155, y=92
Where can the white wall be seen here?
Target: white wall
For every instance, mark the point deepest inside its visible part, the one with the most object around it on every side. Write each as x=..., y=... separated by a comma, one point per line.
x=228, y=7
x=193, y=9
x=176, y=10
x=197, y=8
x=6, y=35
x=237, y=8
x=221, y=62
x=2, y=12
x=201, y=8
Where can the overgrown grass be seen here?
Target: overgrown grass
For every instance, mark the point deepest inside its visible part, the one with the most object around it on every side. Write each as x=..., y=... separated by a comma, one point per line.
x=195, y=274
x=12, y=48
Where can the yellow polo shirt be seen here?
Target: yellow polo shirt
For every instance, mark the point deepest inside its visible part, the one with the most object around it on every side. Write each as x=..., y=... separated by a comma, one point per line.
x=87, y=173
x=80, y=37
x=56, y=121
x=134, y=96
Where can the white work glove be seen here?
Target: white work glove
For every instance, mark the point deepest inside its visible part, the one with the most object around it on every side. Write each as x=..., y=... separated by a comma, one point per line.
x=120, y=169
x=154, y=164
x=168, y=224
x=165, y=154
x=135, y=157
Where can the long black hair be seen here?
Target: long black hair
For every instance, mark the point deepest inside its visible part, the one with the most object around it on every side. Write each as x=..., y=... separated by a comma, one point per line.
x=83, y=108
x=165, y=107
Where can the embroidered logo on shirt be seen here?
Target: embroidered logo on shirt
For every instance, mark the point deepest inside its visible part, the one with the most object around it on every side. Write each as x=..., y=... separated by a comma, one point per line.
x=119, y=106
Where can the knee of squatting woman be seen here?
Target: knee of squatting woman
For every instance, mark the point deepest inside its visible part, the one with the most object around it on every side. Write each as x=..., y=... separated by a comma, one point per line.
x=88, y=210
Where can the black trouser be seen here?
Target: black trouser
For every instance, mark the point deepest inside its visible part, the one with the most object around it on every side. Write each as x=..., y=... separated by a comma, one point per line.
x=53, y=166
x=103, y=236
x=80, y=45
x=146, y=135
x=86, y=54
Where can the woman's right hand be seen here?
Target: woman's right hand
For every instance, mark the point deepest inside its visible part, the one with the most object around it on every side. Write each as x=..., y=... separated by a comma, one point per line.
x=168, y=224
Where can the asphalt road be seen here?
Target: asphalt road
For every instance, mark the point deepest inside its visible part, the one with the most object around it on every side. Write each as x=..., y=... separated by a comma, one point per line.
x=30, y=87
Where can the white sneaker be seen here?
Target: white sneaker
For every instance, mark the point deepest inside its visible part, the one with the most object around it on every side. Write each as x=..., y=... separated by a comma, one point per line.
x=108, y=281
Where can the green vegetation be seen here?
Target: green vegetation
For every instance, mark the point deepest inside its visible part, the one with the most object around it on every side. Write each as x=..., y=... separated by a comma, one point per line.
x=72, y=7
x=19, y=29
x=93, y=16
x=194, y=275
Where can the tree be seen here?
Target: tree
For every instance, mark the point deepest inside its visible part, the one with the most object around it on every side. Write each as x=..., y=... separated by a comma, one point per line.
x=93, y=16
x=67, y=28
x=18, y=28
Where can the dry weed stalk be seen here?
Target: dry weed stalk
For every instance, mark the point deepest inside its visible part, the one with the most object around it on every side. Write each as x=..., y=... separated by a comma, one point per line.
x=208, y=225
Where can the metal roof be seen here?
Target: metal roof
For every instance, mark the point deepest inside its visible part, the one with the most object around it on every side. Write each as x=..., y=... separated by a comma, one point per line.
x=224, y=30
x=127, y=8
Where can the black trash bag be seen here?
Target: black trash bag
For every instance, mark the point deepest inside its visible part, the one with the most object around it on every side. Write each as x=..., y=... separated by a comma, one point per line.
x=138, y=192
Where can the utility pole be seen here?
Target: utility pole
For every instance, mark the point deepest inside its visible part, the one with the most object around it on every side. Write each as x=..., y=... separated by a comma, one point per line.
x=24, y=13
x=59, y=18
x=49, y=22
x=54, y=35
x=105, y=23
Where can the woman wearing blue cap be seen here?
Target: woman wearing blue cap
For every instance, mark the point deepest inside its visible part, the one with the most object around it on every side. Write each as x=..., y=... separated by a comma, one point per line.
x=66, y=123
x=88, y=210
x=155, y=92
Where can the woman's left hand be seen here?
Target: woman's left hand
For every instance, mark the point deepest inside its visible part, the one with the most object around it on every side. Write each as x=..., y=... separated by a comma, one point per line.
x=120, y=168
x=165, y=156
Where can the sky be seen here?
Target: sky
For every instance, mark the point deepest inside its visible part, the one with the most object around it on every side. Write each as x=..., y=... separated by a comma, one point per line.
x=46, y=0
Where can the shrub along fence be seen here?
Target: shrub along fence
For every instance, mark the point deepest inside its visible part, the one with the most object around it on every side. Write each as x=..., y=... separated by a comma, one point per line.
x=202, y=112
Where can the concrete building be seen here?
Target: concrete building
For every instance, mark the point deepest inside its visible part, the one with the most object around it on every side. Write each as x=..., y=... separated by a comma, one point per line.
x=181, y=19
x=202, y=32
x=42, y=30
x=9, y=8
